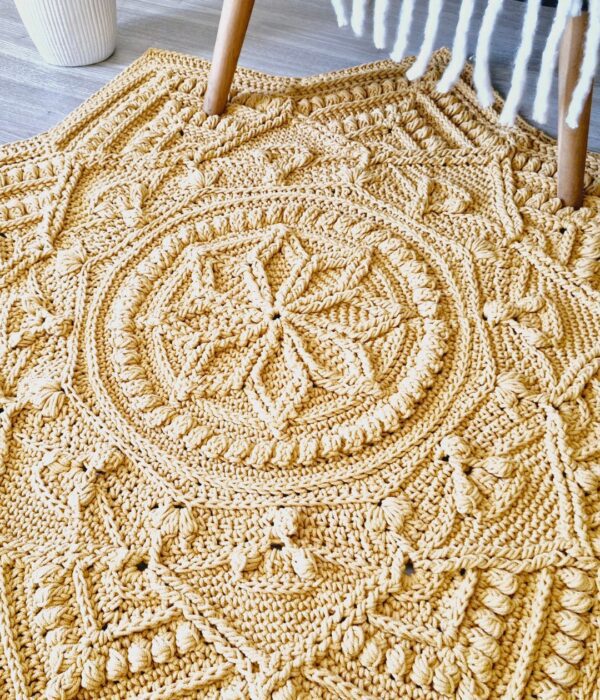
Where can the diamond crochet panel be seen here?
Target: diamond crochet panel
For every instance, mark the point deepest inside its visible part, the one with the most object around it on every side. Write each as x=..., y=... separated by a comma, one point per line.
x=300, y=401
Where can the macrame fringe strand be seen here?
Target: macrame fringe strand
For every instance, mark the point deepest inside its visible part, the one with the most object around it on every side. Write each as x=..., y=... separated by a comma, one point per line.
x=519, y=75
x=404, y=24
x=431, y=26
x=379, y=23
x=588, y=65
x=339, y=7
x=481, y=76
x=459, y=48
x=481, y=73
x=544, y=83
x=359, y=16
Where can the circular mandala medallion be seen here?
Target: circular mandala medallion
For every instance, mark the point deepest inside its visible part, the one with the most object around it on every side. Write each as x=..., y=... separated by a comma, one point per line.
x=277, y=336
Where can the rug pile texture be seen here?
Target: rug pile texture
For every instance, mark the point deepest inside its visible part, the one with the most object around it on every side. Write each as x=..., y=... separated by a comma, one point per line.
x=298, y=402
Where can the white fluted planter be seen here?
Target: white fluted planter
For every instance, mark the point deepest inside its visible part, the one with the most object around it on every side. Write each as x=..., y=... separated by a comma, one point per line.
x=71, y=32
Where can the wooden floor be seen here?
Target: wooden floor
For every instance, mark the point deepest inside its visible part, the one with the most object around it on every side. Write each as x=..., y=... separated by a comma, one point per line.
x=286, y=37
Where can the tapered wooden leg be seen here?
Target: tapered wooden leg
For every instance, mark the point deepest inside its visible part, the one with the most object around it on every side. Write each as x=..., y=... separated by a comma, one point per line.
x=572, y=143
x=235, y=16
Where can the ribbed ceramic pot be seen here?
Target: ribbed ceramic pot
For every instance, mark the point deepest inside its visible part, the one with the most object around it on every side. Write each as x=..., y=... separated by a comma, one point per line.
x=71, y=32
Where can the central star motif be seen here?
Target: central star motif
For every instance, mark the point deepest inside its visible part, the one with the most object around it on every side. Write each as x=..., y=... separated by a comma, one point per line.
x=276, y=336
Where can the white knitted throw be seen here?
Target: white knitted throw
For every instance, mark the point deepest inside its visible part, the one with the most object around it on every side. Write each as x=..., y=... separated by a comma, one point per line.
x=355, y=13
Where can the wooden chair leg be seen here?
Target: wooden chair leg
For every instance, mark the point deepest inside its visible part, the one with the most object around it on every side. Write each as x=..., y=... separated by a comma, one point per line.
x=233, y=23
x=572, y=143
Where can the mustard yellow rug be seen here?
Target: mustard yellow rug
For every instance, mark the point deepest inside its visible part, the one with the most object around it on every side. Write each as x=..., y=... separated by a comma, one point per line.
x=302, y=401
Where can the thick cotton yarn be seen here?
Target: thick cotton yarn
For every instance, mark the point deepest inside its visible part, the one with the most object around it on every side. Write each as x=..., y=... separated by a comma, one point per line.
x=301, y=401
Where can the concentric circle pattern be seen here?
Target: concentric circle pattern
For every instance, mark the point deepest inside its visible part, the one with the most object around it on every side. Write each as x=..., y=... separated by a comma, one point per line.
x=278, y=335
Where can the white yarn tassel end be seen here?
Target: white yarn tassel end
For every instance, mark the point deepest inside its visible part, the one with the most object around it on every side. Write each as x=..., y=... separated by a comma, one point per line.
x=519, y=76
x=379, y=19
x=404, y=24
x=564, y=10
x=359, y=16
x=431, y=26
x=459, y=48
x=588, y=66
x=339, y=7
x=481, y=74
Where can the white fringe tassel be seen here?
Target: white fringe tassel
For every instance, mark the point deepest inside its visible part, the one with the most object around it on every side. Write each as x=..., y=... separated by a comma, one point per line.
x=359, y=16
x=431, y=26
x=546, y=76
x=404, y=23
x=379, y=18
x=459, y=48
x=481, y=74
x=339, y=7
x=519, y=76
x=588, y=65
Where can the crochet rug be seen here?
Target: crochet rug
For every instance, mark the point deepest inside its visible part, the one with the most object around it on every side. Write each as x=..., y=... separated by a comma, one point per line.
x=301, y=401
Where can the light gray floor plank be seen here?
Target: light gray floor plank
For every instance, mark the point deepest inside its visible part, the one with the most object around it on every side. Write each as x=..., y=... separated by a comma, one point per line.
x=286, y=37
